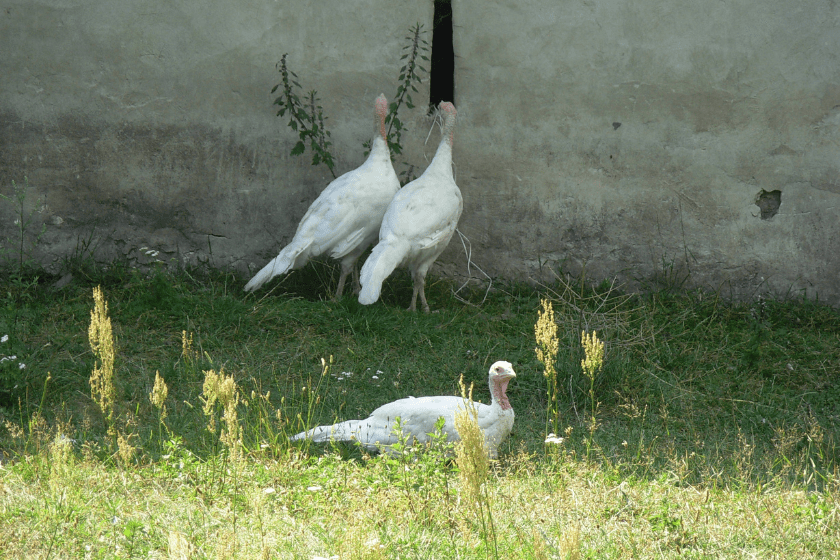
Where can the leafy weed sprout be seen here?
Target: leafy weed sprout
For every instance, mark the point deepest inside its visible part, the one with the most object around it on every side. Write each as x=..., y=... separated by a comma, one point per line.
x=305, y=117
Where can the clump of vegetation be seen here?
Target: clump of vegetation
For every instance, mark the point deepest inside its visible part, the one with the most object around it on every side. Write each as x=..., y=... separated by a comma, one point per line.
x=306, y=116
x=696, y=452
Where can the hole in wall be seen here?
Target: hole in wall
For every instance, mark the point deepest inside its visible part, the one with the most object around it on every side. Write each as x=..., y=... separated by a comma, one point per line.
x=768, y=202
x=442, y=72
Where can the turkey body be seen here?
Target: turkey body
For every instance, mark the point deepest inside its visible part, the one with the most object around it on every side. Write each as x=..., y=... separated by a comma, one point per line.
x=345, y=218
x=418, y=416
x=418, y=223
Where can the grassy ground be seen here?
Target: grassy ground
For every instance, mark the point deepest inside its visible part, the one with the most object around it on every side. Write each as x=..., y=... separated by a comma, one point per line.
x=715, y=433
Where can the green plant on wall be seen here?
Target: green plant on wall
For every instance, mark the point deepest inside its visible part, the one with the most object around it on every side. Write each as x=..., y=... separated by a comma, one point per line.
x=306, y=116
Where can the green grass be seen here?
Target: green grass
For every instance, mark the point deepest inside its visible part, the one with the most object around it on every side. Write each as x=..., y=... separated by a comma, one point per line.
x=717, y=426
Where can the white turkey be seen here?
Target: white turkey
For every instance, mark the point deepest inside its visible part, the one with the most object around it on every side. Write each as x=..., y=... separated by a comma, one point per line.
x=345, y=218
x=418, y=224
x=419, y=415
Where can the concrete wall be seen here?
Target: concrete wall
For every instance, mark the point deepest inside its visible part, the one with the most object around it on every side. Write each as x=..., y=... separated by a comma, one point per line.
x=630, y=138
x=619, y=134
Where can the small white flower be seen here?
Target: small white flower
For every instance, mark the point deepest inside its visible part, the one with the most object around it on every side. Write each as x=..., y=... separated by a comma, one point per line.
x=269, y=490
x=4, y=338
x=315, y=488
x=21, y=365
x=375, y=377
x=552, y=438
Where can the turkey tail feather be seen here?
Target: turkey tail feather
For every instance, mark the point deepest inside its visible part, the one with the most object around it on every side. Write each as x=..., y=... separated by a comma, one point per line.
x=337, y=432
x=280, y=264
x=384, y=258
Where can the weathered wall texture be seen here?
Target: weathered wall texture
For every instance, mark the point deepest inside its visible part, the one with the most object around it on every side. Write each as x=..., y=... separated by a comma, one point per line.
x=632, y=138
x=621, y=134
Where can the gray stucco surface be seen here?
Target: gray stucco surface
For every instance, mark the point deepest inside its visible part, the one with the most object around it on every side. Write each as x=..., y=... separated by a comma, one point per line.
x=632, y=138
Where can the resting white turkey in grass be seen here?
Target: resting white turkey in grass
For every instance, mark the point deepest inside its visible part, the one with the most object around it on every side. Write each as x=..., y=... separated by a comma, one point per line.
x=418, y=224
x=344, y=220
x=419, y=415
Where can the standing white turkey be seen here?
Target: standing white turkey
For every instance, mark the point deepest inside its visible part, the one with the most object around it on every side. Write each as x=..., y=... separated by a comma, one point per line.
x=419, y=223
x=345, y=218
x=419, y=415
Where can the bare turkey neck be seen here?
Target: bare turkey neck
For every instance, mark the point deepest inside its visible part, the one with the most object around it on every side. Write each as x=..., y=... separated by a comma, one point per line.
x=498, y=390
x=449, y=130
x=381, y=119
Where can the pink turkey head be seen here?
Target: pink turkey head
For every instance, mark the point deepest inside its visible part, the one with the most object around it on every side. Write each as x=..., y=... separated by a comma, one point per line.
x=500, y=375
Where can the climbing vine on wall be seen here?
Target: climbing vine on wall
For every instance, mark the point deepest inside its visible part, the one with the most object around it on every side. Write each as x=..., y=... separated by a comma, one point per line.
x=306, y=116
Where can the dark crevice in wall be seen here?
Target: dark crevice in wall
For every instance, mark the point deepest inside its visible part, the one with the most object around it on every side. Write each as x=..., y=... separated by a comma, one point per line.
x=442, y=73
x=768, y=202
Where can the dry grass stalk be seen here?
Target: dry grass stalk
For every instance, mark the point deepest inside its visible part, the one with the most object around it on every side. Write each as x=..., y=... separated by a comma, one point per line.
x=101, y=340
x=545, y=331
x=188, y=353
x=125, y=451
x=473, y=459
x=61, y=460
x=220, y=388
x=179, y=547
x=159, y=394
x=593, y=350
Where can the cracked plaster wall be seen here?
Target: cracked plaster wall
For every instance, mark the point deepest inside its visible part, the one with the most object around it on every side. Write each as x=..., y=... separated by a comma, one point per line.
x=634, y=139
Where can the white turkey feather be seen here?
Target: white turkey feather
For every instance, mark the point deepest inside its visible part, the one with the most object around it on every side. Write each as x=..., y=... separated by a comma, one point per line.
x=345, y=218
x=418, y=416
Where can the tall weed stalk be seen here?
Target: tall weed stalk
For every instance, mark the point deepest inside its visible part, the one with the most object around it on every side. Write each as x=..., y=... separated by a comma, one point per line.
x=473, y=460
x=592, y=362
x=545, y=331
